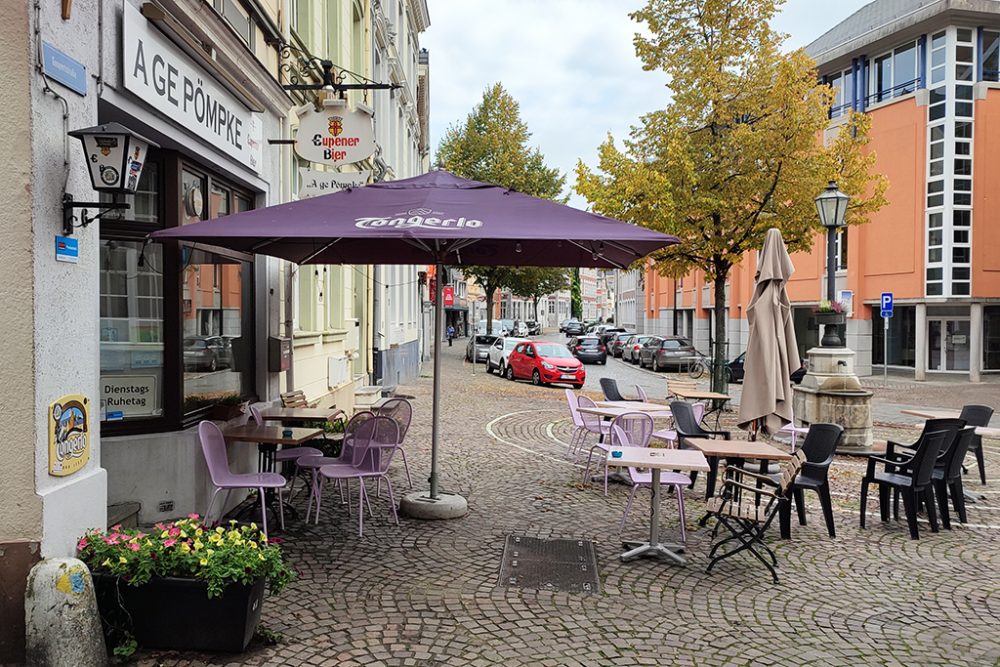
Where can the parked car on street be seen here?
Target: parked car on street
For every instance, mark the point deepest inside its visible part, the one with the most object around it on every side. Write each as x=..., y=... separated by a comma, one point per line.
x=500, y=352
x=207, y=353
x=630, y=351
x=545, y=363
x=617, y=342
x=520, y=329
x=481, y=343
x=573, y=328
x=507, y=327
x=735, y=370
x=534, y=327
x=588, y=349
x=564, y=323
x=608, y=334
x=662, y=353
x=496, y=326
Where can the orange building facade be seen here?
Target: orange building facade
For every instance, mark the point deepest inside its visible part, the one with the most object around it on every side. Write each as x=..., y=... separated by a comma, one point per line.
x=928, y=78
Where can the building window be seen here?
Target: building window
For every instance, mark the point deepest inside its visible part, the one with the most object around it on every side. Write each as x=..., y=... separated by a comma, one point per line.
x=991, y=55
x=894, y=73
x=238, y=18
x=842, y=84
x=841, y=249
x=991, y=338
x=902, y=337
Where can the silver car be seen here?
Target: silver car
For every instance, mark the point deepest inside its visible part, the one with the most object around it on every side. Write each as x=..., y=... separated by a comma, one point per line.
x=630, y=352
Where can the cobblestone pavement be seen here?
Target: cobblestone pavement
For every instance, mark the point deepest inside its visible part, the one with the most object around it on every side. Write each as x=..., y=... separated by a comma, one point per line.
x=426, y=593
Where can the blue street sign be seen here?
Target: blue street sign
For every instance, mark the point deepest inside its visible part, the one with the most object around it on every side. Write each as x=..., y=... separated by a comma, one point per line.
x=67, y=71
x=886, y=304
x=67, y=249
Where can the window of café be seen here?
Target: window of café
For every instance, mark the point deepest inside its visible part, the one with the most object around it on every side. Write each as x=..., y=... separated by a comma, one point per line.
x=176, y=319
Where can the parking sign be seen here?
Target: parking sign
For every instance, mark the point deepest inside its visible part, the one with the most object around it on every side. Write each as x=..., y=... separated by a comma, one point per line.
x=886, y=304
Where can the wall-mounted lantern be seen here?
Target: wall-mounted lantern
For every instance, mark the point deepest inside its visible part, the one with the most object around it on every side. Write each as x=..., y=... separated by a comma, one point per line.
x=115, y=158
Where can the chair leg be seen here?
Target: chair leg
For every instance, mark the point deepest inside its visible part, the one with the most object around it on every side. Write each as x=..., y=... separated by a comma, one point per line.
x=392, y=501
x=361, y=508
x=981, y=462
x=928, y=496
x=605, y=477
x=864, y=500
x=294, y=467
x=586, y=471
x=785, y=519
x=827, y=505
x=281, y=509
x=628, y=506
x=895, y=504
x=679, y=490
x=319, y=497
x=910, y=506
x=263, y=510
x=406, y=467
x=211, y=502
x=958, y=500
x=800, y=505
x=941, y=495
x=883, y=501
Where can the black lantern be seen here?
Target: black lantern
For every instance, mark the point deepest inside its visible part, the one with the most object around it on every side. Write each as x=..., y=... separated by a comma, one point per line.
x=115, y=158
x=832, y=207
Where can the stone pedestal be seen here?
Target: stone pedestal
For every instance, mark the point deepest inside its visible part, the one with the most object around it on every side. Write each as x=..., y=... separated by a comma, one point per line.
x=831, y=392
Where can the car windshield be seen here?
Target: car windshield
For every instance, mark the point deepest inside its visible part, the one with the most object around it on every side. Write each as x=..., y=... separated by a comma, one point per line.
x=196, y=344
x=588, y=342
x=485, y=340
x=553, y=350
x=510, y=343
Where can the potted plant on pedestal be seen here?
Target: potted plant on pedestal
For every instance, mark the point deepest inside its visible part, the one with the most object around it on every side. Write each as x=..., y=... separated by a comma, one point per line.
x=183, y=585
x=832, y=314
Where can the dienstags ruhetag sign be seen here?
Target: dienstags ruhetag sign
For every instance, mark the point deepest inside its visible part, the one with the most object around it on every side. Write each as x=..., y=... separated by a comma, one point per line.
x=164, y=77
x=336, y=135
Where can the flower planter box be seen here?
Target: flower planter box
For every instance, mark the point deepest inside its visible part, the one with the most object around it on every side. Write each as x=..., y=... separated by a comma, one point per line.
x=830, y=318
x=176, y=613
x=225, y=413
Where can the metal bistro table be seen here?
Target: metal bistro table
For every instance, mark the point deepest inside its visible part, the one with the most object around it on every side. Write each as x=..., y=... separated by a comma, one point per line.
x=656, y=460
x=636, y=406
x=611, y=413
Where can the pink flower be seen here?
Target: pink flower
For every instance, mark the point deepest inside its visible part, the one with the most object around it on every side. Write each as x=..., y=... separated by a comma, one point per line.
x=159, y=526
x=134, y=546
x=175, y=531
x=111, y=540
x=117, y=526
x=140, y=535
x=193, y=515
x=82, y=544
x=169, y=543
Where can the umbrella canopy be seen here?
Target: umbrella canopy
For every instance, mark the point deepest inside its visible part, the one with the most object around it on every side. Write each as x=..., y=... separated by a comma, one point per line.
x=437, y=218
x=772, y=353
x=434, y=218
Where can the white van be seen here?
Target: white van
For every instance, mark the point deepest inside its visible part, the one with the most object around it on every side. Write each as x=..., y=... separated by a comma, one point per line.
x=500, y=352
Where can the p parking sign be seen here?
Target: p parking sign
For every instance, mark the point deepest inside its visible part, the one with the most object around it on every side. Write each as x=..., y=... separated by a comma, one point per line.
x=886, y=304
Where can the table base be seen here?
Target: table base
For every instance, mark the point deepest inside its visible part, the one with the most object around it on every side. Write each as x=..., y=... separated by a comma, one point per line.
x=661, y=551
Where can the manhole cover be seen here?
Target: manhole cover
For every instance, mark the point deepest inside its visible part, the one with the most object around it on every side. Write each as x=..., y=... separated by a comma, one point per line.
x=569, y=566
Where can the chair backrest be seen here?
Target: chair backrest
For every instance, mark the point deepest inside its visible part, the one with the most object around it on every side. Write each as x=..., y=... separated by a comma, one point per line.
x=573, y=412
x=255, y=415
x=294, y=399
x=610, y=388
x=400, y=411
x=587, y=419
x=925, y=457
x=642, y=394
x=820, y=445
x=637, y=427
x=950, y=425
x=952, y=463
x=685, y=422
x=976, y=415
x=213, y=448
x=374, y=442
x=350, y=441
x=789, y=470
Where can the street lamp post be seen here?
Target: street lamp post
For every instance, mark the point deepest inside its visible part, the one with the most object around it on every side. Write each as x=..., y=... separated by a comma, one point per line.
x=832, y=206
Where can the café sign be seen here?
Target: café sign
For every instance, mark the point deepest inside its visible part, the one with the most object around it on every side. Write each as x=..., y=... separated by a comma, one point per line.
x=315, y=182
x=164, y=77
x=336, y=135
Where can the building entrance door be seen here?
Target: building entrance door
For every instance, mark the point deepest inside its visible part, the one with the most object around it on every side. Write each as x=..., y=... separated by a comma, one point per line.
x=948, y=344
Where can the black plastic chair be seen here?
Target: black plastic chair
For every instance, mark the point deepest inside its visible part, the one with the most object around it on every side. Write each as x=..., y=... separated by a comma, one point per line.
x=977, y=415
x=687, y=426
x=819, y=447
x=916, y=483
x=610, y=388
x=950, y=425
x=947, y=476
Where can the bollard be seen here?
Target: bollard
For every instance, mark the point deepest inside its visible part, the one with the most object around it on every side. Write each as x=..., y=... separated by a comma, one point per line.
x=63, y=626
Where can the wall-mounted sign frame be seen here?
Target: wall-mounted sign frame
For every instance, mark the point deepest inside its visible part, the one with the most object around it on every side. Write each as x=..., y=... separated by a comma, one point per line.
x=336, y=134
x=69, y=434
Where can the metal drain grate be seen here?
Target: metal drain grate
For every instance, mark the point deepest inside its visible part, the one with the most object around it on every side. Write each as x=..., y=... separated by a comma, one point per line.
x=569, y=566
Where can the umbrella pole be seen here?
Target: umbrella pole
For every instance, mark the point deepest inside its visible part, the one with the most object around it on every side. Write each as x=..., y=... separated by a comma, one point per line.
x=436, y=392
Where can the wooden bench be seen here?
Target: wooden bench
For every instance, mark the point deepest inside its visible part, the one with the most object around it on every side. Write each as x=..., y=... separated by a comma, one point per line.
x=297, y=399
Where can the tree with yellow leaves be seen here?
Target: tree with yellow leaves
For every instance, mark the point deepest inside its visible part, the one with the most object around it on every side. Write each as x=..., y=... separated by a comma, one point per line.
x=737, y=149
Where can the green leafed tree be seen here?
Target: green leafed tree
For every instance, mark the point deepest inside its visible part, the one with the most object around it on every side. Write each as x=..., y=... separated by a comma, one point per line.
x=534, y=282
x=575, y=296
x=491, y=145
x=737, y=149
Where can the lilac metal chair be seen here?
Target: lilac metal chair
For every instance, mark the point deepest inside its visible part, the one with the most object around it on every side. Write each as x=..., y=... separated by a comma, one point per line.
x=314, y=463
x=638, y=426
x=580, y=430
x=644, y=478
x=287, y=456
x=375, y=443
x=400, y=411
x=642, y=394
x=213, y=447
x=592, y=424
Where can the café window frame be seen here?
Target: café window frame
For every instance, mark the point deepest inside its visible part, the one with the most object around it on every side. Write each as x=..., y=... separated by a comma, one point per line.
x=170, y=205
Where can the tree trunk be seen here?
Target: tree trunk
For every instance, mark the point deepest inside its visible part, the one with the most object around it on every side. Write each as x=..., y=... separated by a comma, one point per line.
x=489, y=311
x=535, y=299
x=721, y=314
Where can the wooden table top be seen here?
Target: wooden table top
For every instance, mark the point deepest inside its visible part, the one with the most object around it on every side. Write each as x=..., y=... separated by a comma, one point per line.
x=699, y=395
x=634, y=406
x=742, y=449
x=931, y=413
x=664, y=413
x=298, y=414
x=270, y=435
x=654, y=457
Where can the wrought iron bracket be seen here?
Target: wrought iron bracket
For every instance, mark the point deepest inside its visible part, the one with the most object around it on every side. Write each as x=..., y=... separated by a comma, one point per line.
x=69, y=206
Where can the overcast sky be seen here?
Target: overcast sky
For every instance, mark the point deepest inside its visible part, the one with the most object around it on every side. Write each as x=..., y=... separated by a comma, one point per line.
x=569, y=63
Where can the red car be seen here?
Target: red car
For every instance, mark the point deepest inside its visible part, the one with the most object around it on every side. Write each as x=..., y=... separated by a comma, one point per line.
x=544, y=363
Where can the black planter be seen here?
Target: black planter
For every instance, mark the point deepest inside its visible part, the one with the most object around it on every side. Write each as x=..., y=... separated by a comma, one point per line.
x=830, y=318
x=175, y=613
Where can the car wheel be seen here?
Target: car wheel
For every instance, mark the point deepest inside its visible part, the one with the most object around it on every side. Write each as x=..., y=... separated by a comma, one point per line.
x=578, y=386
x=536, y=377
x=489, y=366
x=656, y=365
x=508, y=373
x=213, y=365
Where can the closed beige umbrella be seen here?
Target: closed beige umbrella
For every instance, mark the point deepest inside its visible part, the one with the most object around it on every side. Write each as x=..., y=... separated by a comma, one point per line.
x=772, y=352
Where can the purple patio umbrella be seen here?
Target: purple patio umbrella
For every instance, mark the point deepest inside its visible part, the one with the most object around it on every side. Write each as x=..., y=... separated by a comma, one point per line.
x=437, y=218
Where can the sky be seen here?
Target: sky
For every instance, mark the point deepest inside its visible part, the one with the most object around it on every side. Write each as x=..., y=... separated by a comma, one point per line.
x=569, y=63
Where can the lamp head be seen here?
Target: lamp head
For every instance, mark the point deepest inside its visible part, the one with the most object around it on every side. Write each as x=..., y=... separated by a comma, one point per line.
x=831, y=205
